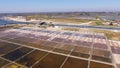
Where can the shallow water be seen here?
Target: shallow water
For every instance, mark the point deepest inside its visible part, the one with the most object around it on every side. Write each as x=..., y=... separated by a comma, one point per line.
x=4, y=22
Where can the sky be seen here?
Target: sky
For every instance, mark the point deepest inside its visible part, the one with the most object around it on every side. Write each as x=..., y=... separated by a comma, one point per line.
x=11, y=6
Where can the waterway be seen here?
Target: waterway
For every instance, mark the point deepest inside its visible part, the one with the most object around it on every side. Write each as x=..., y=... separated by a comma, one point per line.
x=6, y=22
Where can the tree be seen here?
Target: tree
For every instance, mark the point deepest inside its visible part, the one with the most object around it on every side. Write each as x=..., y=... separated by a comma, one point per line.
x=97, y=17
x=111, y=24
x=51, y=24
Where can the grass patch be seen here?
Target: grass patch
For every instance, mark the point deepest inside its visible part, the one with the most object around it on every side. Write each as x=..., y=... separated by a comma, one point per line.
x=60, y=20
x=99, y=23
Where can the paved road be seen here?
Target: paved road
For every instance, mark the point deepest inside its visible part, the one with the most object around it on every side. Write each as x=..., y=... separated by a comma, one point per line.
x=87, y=26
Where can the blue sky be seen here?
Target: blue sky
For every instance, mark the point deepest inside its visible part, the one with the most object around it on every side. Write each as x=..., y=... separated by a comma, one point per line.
x=58, y=5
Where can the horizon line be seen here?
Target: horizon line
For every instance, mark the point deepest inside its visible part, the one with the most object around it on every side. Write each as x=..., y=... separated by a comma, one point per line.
x=55, y=12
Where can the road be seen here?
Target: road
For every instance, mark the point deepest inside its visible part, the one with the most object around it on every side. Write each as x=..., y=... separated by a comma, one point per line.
x=87, y=26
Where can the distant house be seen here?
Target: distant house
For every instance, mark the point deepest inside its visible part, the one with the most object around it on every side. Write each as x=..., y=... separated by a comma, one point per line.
x=111, y=23
x=118, y=21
